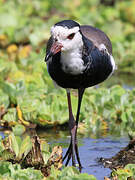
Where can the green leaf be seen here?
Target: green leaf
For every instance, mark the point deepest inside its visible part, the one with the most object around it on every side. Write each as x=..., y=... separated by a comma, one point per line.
x=18, y=129
x=122, y=173
x=9, y=171
x=69, y=173
x=5, y=168
x=14, y=144
x=9, y=89
x=25, y=147
x=45, y=151
x=4, y=99
x=11, y=115
x=124, y=117
x=6, y=155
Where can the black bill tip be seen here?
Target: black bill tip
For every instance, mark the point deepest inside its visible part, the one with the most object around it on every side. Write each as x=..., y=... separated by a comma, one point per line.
x=48, y=56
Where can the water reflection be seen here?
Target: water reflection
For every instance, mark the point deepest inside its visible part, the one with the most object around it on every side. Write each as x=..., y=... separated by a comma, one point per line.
x=90, y=149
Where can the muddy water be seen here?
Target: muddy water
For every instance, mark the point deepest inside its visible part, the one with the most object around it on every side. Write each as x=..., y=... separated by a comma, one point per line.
x=90, y=150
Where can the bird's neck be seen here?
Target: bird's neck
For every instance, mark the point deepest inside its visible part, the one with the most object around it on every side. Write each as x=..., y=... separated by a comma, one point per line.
x=72, y=62
x=73, y=53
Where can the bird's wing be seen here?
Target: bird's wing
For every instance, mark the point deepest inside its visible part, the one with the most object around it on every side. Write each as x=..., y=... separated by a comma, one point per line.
x=97, y=36
x=97, y=48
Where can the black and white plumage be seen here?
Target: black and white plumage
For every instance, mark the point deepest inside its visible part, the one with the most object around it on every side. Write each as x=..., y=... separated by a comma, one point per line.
x=78, y=57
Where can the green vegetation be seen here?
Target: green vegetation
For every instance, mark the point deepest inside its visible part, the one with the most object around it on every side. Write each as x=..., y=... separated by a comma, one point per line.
x=27, y=94
x=26, y=90
x=102, y=108
x=11, y=172
x=127, y=173
x=25, y=152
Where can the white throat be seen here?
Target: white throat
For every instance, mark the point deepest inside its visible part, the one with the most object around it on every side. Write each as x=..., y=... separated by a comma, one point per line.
x=71, y=52
x=72, y=62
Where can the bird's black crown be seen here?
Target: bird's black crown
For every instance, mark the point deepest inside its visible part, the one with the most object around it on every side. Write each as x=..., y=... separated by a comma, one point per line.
x=67, y=23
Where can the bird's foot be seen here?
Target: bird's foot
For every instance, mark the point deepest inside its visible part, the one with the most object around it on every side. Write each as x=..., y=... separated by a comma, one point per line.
x=69, y=155
x=73, y=151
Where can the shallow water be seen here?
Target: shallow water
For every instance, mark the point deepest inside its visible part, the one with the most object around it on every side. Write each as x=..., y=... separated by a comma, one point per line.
x=91, y=150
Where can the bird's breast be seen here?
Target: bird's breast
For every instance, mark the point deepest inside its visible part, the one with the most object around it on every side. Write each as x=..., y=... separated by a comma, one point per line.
x=72, y=62
x=90, y=74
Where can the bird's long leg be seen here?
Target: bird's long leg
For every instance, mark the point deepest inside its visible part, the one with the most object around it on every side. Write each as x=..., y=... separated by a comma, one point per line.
x=73, y=147
x=80, y=95
x=72, y=127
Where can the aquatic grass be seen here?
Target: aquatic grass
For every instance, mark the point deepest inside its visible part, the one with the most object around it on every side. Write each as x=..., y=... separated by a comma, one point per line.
x=29, y=157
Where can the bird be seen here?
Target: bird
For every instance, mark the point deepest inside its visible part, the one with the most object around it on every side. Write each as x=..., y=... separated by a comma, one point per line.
x=77, y=57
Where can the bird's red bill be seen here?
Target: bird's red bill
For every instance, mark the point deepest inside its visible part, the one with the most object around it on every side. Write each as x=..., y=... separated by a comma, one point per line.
x=56, y=47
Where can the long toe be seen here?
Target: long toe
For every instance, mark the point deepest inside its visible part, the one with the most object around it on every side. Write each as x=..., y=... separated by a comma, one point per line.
x=67, y=153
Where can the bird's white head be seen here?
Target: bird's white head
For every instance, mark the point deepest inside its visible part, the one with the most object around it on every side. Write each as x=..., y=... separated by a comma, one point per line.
x=66, y=36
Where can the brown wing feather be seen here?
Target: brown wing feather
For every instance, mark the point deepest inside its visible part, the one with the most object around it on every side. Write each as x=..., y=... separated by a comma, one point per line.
x=97, y=37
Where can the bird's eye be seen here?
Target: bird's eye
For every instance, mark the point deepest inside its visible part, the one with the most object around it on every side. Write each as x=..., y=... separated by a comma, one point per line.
x=70, y=36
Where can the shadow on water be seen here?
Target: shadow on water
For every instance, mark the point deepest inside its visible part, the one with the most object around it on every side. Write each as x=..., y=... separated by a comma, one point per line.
x=90, y=149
